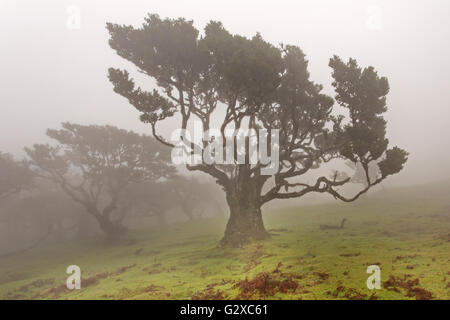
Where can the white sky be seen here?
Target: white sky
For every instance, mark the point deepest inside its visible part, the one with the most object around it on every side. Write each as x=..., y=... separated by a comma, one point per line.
x=50, y=73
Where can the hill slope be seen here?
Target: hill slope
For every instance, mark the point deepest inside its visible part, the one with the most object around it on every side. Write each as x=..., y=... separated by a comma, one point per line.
x=404, y=231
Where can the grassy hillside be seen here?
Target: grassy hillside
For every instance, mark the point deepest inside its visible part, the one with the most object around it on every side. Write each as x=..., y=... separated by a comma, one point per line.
x=404, y=231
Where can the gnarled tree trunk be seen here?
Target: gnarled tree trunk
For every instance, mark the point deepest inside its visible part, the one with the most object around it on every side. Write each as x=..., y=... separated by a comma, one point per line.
x=245, y=222
x=113, y=230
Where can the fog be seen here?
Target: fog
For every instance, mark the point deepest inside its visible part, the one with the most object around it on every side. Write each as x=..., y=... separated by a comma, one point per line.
x=96, y=187
x=52, y=73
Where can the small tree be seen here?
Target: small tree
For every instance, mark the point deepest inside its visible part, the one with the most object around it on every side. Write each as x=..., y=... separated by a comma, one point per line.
x=255, y=84
x=105, y=160
x=14, y=176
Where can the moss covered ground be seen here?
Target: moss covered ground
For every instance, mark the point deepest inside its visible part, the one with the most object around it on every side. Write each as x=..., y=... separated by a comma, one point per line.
x=406, y=232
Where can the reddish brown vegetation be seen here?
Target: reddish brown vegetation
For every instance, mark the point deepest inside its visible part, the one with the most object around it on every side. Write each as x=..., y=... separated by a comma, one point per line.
x=397, y=258
x=351, y=294
x=123, y=269
x=94, y=279
x=153, y=269
x=209, y=294
x=253, y=258
x=322, y=275
x=85, y=282
x=268, y=284
x=410, y=285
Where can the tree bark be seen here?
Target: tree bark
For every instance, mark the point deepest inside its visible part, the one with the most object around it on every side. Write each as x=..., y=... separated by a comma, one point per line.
x=113, y=231
x=244, y=225
x=245, y=222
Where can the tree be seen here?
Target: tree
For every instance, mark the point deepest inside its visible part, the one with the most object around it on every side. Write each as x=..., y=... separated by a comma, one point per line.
x=95, y=164
x=251, y=83
x=14, y=176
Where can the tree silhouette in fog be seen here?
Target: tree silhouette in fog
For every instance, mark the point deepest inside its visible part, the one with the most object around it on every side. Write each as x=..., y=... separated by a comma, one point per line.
x=184, y=195
x=95, y=164
x=255, y=84
x=15, y=176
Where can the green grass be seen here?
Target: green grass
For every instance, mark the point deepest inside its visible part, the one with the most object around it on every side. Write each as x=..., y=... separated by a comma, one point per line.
x=404, y=231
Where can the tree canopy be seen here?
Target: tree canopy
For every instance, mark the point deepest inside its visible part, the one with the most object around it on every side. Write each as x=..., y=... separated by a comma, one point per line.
x=257, y=85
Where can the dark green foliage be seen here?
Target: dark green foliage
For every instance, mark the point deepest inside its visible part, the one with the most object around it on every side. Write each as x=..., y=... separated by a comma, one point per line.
x=394, y=161
x=363, y=93
x=258, y=85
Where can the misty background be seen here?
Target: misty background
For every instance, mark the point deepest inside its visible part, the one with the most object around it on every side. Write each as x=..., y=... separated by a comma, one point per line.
x=52, y=71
